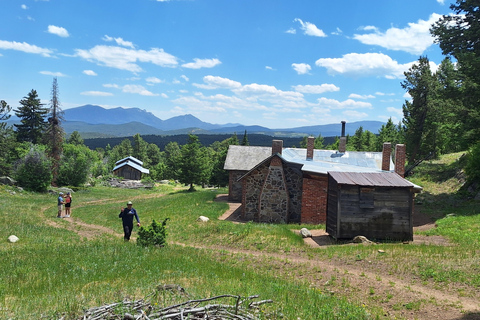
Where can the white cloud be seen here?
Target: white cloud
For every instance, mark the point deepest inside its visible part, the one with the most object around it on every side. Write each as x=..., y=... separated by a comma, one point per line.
x=214, y=82
x=310, y=29
x=111, y=85
x=316, y=89
x=414, y=39
x=59, y=31
x=397, y=111
x=24, y=47
x=301, y=68
x=291, y=31
x=359, y=96
x=346, y=104
x=337, y=32
x=442, y=2
x=54, y=74
x=153, y=80
x=366, y=64
x=90, y=72
x=268, y=68
x=353, y=114
x=202, y=63
x=97, y=93
x=126, y=59
x=24, y=6
x=132, y=88
x=119, y=41
x=184, y=77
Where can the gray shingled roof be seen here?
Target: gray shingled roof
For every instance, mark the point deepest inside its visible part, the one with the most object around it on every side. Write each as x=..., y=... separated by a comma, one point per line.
x=245, y=157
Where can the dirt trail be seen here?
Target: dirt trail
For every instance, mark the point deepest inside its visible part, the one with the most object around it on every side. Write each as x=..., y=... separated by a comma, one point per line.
x=403, y=296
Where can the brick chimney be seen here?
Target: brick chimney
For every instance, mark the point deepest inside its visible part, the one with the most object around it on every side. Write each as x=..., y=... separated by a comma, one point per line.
x=310, y=147
x=400, y=159
x=277, y=146
x=386, y=154
x=342, y=145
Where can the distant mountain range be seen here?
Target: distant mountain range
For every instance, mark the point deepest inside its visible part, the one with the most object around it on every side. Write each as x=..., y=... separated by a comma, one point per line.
x=96, y=122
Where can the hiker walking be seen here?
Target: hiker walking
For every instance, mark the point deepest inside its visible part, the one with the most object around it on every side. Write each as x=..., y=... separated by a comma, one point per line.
x=127, y=215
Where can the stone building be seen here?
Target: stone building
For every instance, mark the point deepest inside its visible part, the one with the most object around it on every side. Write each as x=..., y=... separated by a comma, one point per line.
x=290, y=185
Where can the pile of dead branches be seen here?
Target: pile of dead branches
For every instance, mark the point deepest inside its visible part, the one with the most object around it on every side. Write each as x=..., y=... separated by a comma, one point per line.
x=244, y=308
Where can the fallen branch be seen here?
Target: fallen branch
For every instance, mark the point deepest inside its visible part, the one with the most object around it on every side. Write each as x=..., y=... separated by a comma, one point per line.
x=243, y=309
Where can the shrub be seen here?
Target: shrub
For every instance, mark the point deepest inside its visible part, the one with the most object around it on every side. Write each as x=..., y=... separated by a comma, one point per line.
x=34, y=171
x=153, y=235
x=472, y=169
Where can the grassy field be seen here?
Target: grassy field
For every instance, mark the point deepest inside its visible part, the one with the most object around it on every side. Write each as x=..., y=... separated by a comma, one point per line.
x=58, y=269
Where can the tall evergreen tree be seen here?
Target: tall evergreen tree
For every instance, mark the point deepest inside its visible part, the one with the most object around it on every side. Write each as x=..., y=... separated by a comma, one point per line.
x=420, y=115
x=6, y=140
x=194, y=164
x=32, y=115
x=457, y=35
x=140, y=148
x=75, y=138
x=4, y=113
x=389, y=132
x=173, y=157
x=54, y=134
x=245, y=139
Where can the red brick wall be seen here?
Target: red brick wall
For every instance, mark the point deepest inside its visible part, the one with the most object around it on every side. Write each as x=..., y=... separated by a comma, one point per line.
x=400, y=159
x=386, y=154
x=314, y=199
x=310, y=147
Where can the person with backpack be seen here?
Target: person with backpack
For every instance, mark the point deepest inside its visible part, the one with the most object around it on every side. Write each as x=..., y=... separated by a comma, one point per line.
x=68, y=205
x=127, y=214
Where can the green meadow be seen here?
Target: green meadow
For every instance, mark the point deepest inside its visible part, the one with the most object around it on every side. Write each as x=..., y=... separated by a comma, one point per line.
x=61, y=267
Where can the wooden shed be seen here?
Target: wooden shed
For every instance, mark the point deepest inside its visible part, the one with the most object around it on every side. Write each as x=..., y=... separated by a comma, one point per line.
x=377, y=205
x=130, y=168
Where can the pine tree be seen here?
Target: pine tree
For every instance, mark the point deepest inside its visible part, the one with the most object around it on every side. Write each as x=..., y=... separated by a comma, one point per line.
x=420, y=116
x=54, y=134
x=32, y=115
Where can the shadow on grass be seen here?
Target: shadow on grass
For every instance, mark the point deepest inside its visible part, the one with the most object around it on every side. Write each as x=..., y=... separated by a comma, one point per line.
x=470, y=316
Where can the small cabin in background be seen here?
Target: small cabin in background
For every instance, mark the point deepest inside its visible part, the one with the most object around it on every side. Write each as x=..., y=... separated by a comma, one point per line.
x=377, y=205
x=130, y=168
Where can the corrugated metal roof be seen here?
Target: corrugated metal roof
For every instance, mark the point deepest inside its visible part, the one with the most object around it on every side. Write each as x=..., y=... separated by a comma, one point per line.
x=247, y=157
x=130, y=158
x=133, y=165
x=371, y=179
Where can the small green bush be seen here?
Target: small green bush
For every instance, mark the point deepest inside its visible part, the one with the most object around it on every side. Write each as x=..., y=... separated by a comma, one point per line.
x=472, y=168
x=153, y=235
x=34, y=171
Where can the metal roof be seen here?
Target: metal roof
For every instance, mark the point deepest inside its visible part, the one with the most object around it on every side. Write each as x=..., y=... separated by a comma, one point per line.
x=133, y=165
x=247, y=157
x=130, y=158
x=371, y=179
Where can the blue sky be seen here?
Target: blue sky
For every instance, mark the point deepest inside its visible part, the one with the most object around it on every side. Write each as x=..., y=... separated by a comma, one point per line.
x=275, y=63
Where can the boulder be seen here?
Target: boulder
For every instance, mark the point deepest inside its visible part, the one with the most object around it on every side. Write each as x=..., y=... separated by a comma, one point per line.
x=12, y=239
x=203, y=219
x=305, y=233
x=7, y=181
x=362, y=239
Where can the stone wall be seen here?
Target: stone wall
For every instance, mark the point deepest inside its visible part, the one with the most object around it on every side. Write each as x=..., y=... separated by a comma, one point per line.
x=234, y=186
x=273, y=205
x=273, y=193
